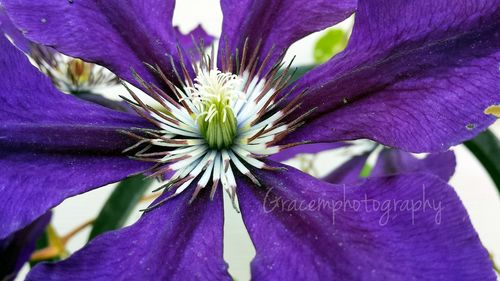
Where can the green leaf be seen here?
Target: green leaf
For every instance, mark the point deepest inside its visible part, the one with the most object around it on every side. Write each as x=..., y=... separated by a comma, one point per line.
x=331, y=43
x=299, y=71
x=296, y=72
x=486, y=148
x=120, y=204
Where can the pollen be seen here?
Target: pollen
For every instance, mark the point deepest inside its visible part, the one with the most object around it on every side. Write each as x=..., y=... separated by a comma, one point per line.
x=493, y=110
x=79, y=71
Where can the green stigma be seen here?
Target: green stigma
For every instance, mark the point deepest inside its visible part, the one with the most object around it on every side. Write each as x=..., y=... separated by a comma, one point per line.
x=219, y=126
x=213, y=95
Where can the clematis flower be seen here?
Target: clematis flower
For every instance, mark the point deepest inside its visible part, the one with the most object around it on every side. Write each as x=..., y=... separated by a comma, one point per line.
x=416, y=75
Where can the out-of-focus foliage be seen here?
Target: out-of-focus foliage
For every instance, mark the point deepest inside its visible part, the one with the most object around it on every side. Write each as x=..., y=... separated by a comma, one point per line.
x=486, y=148
x=331, y=43
x=120, y=204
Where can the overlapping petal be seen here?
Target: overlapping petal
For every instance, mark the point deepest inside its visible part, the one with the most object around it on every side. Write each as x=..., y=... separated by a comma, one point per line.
x=119, y=35
x=278, y=23
x=348, y=172
x=16, y=249
x=416, y=75
x=52, y=145
x=289, y=153
x=192, y=40
x=394, y=161
x=177, y=241
x=7, y=27
x=306, y=229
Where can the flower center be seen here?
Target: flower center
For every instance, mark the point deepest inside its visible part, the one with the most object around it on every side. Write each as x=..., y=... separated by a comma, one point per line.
x=72, y=75
x=215, y=125
x=213, y=94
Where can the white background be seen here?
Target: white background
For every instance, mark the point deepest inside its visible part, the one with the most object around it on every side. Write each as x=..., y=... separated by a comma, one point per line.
x=471, y=182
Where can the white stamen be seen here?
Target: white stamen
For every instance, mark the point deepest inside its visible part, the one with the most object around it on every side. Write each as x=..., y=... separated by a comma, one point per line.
x=230, y=98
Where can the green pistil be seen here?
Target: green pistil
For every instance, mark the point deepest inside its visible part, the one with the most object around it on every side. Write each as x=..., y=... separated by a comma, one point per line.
x=218, y=133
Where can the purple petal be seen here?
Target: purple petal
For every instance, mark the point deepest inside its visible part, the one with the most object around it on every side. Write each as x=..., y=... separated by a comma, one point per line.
x=306, y=148
x=393, y=161
x=119, y=35
x=33, y=182
x=306, y=229
x=416, y=75
x=277, y=23
x=7, y=27
x=191, y=40
x=177, y=241
x=16, y=249
x=349, y=172
x=36, y=116
x=52, y=145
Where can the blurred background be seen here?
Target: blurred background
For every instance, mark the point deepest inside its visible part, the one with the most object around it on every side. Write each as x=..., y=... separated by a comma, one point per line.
x=471, y=181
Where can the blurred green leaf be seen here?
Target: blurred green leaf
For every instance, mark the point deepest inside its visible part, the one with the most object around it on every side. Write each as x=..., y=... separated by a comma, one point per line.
x=366, y=171
x=120, y=204
x=296, y=72
x=486, y=148
x=331, y=43
x=299, y=71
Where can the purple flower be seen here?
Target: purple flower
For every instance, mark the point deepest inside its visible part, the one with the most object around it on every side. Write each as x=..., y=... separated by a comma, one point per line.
x=416, y=75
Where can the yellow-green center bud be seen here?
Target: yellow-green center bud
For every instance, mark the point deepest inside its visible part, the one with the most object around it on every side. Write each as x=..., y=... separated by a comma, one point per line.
x=214, y=94
x=219, y=126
